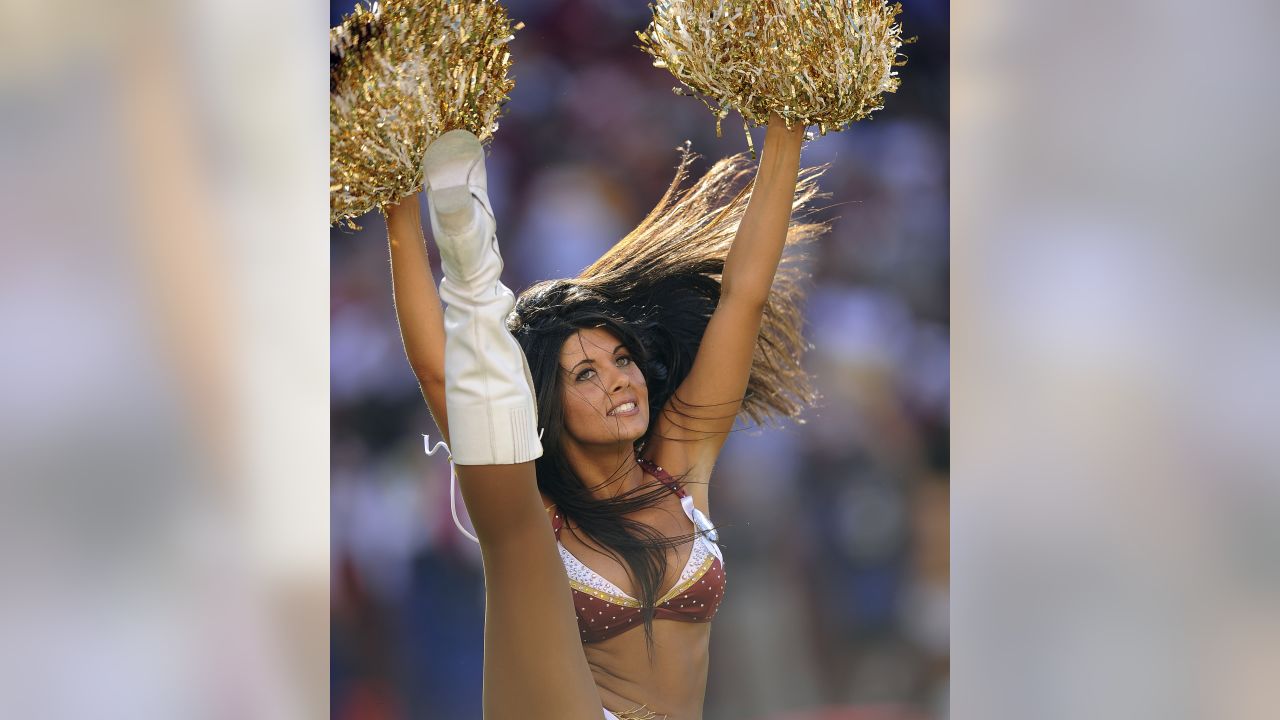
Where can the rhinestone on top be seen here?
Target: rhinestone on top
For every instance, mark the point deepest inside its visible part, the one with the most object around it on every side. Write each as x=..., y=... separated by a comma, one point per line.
x=589, y=580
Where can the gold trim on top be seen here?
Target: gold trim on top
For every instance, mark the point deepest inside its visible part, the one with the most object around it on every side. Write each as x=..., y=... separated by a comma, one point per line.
x=681, y=587
x=607, y=597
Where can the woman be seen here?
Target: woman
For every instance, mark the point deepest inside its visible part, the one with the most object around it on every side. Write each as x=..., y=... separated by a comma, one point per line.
x=601, y=567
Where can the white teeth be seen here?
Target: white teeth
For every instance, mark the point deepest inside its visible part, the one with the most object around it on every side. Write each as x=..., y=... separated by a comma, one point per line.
x=624, y=407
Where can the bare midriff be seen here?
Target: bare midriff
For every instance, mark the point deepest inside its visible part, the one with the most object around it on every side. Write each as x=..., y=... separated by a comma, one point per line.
x=672, y=685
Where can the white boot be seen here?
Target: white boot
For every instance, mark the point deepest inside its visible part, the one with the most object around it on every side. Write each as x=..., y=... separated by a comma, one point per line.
x=488, y=391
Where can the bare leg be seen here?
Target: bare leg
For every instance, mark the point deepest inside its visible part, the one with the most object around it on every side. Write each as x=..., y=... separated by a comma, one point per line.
x=534, y=667
x=533, y=662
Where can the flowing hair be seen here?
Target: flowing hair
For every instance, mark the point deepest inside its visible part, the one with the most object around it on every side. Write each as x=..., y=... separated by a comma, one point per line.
x=665, y=277
x=656, y=290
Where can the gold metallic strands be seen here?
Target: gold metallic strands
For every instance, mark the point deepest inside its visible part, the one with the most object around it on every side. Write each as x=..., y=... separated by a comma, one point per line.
x=400, y=74
x=814, y=62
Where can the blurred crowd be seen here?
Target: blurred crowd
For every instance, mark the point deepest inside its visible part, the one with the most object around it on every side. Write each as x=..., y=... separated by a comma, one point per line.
x=835, y=529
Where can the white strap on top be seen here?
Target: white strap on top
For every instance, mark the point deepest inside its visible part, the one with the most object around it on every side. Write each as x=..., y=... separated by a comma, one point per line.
x=453, y=482
x=702, y=525
x=700, y=521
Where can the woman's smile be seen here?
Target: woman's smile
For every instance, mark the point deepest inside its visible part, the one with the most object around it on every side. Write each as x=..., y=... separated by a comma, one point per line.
x=626, y=409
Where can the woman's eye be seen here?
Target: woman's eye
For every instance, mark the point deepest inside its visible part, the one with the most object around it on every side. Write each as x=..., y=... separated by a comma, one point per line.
x=624, y=361
x=586, y=374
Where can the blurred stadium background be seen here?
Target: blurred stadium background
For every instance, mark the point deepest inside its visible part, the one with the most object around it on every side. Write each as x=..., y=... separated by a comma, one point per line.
x=836, y=531
x=164, y=376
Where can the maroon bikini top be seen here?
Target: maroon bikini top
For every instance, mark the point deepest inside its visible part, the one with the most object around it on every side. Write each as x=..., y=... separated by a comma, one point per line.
x=605, y=611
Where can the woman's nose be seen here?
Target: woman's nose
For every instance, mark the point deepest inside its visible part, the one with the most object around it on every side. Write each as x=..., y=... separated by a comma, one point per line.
x=618, y=381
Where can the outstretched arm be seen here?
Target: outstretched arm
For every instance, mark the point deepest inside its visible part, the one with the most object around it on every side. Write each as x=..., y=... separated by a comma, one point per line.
x=418, y=308
x=702, y=411
x=757, y=248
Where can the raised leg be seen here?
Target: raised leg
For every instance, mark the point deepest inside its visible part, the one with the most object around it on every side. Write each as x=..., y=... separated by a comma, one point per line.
x=534, y=668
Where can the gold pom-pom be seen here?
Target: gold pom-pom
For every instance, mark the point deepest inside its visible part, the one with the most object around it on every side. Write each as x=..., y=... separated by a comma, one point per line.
x=814, y=62
x=400, y=74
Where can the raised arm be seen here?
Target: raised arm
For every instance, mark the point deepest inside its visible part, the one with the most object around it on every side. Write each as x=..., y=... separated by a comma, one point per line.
x=418, y=308
x=757, y=248
x=701, y=413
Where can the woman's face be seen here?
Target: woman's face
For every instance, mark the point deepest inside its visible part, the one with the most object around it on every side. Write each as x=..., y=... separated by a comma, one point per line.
x=606, y=400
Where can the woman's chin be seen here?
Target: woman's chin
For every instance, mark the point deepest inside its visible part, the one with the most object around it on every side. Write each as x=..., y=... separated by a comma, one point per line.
x=629, y=436
x=622, y=431
x=640, y=425
x=632, y=429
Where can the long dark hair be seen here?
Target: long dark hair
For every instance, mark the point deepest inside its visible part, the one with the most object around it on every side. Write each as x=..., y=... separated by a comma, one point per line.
x=656, y=290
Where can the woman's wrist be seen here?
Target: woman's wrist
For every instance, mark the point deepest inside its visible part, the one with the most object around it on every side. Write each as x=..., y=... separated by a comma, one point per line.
x=406, y=210
x=778, y=126
x=779, y=135
x=781, y=145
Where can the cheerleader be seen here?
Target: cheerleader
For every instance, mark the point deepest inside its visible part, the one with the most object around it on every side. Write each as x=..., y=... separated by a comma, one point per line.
x=584, y=420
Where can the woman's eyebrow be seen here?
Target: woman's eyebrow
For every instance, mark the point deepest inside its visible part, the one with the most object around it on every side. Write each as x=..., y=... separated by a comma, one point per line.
x=621, y=346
